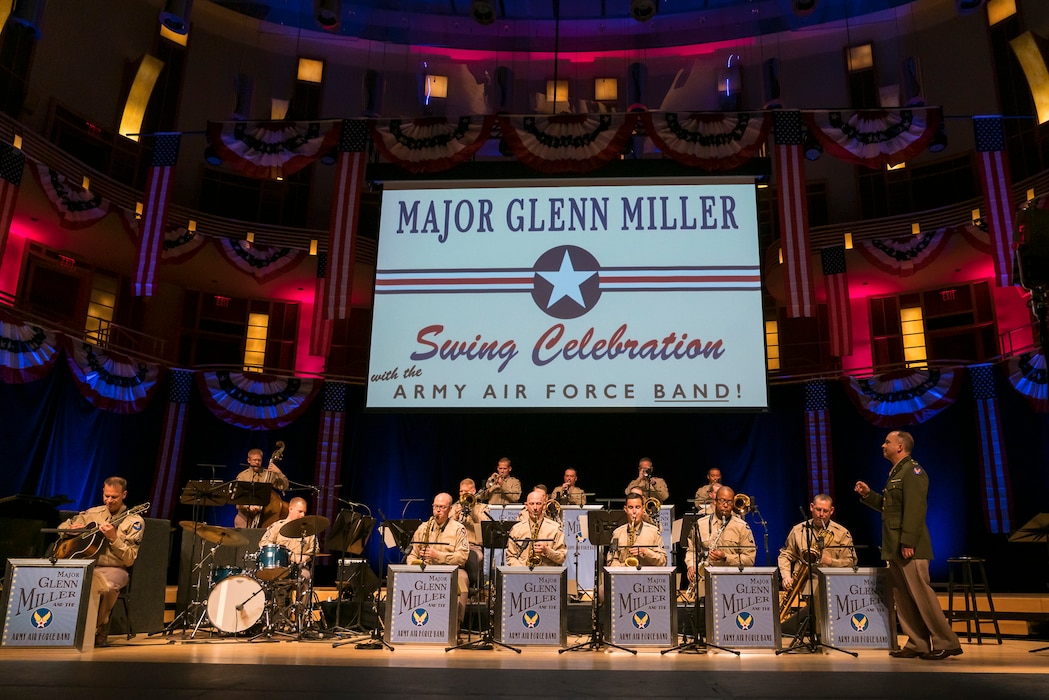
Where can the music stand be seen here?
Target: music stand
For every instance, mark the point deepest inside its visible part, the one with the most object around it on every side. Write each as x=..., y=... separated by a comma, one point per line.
x=349, y=534
x=494, y=535
x=599, y=526
x=250, y=493
x=1035, y=530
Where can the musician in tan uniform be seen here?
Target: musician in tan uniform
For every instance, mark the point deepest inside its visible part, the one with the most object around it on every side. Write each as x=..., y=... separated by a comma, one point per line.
x=246, y=515
x=831, y=542
x=502, y=489
x=301, y=549
x=705, y=495
x=651, y=486
x=725, y=540
x=536, y=541
x=636, y=538
x=118, y=550
x=472, y=519
x=568, y=494
x=441, y=540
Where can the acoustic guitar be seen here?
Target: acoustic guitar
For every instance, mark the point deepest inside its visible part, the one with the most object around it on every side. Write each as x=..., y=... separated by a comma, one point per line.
x=86, y=542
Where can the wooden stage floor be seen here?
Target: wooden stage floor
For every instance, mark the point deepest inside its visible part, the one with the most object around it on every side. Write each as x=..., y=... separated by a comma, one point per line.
x=170, y=667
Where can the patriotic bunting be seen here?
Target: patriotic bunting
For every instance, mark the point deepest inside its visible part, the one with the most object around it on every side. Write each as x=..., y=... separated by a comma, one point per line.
x=172, y=440
x=256, y=401
x=567, y=143
x=262, y=262
x=431, y=144
x=76, y=207
x=155, y=212
x=268, y=149
x=903, y=398
x=1027, y=374
x=109, y=381
x=994, y=472
x=709, y=140
x=342, y=231
x=329, y=446
x=839, y=306
x=875, y=137
x=817, y=429
x=793, y=214
x=27, y=352
x=977, y=237
x=12, y=161
x=905, y=255
x=321, y=328
x=997, y=188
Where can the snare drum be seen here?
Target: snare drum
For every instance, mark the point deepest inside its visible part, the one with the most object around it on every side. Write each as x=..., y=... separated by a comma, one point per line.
x=272, y=562
x=236, y=604
x=221, y=573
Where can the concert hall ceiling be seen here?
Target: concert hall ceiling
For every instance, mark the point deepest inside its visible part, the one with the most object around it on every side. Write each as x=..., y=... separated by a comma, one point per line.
x=584, y=25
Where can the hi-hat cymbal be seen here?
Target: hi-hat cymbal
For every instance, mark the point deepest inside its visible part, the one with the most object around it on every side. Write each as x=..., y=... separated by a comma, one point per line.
x=214, y=533
x=305, y=526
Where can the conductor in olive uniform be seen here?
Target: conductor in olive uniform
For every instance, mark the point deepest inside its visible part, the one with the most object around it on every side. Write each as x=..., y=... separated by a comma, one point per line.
x=907, y=548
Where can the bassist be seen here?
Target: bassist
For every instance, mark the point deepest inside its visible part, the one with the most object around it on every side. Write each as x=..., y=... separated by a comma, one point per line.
x=251, y=516
x=117, y=546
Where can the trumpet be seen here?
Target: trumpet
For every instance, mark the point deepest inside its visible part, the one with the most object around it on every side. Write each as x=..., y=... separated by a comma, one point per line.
x=493, y=480
x=652, y=506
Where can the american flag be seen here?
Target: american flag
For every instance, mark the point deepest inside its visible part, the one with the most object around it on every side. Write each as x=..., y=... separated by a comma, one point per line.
x=329, y=446
x=12, y=161
x=793, y=213
x=320, y=328
x=154, y=212
x=173, y=438
x=997, y=193
x=839, y=307
x=342, y=247
x=994, y=472
x=817, y=429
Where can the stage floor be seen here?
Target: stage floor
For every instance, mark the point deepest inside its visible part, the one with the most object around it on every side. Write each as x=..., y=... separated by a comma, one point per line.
x=163, y=667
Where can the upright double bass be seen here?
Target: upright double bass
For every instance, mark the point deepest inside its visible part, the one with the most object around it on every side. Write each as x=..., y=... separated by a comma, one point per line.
x=277, y=508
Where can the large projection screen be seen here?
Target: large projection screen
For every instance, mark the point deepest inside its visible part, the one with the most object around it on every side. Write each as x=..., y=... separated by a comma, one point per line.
x=568, y=295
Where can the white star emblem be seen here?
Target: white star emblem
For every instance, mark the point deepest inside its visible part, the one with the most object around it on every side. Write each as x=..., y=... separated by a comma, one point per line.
x=567, y=281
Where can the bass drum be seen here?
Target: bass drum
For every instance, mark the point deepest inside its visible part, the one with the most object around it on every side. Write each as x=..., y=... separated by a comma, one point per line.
x=227, y=596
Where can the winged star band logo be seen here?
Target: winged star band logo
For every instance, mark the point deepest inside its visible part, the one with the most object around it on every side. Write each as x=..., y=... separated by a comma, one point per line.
x=530, y=618
x=641, y=620
x=859, y=622
x=420, y=617
x=744, y=621
x=42, y=617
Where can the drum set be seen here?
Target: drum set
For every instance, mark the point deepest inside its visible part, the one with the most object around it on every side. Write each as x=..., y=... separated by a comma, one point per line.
x=270, y=595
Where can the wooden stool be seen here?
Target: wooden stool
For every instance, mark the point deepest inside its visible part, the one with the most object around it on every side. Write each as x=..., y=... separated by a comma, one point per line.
x=969, y=588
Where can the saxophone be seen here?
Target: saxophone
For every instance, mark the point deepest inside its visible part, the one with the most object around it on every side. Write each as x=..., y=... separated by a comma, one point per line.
x=426, y=541
x=631, y=537
x=701, y=567
x=792, y=598
x=534, y=559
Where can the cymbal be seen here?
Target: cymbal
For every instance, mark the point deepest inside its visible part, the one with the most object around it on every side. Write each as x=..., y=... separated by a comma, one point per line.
x=214, y=533
x=305, y=526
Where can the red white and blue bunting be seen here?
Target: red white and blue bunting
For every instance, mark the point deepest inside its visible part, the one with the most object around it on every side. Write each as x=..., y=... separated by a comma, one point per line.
x=270, y=149
x=994, y=471
x=906, y=397
x=109, y=381
x=817, y=430
x=76, y=207
x=1027, y=374
x=27, y=352
x=431, y=144
x=905, y=255
x=713, y=141
x=567, y=143
x=172, y=440
x=329, y=446
x=874, y=137
x=180, y=244
x=262, y=262
x=256, y=401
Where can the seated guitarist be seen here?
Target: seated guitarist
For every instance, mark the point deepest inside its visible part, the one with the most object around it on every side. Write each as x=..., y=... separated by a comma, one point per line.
x=117, y=546
x=248, y=516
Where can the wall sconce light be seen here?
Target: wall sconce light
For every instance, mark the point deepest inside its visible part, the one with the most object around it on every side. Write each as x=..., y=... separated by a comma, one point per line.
x=327, y=13
x=606, y=89
x=848, y=241
x=86, y=183
x=643, y=10
x=812, y=148
x=211, y=156
x=250, y=237
x=556, y=92
x=138, y=210
x=436, y=86
x=313, y=246
x=1030, y=195
x=860, y=57
x=916, y=228
x=17, y=141
x=997, y=10
x=780, y=256
x=191, y=226
x=330, y=157
x=174, y=37
x=976, y=216
x=898, y=166
x=310, y=70
x=278, y=109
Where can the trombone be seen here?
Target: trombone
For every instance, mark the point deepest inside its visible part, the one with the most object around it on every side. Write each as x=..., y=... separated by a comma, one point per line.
x=652, y=506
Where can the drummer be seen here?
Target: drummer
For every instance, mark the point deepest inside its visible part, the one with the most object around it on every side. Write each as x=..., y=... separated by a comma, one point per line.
x=300, y=549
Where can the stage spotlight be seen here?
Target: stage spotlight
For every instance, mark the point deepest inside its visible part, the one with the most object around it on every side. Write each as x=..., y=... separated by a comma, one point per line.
x=483, y=12
x=327, y=13
x=939, y=141
x=643, y=10
x=812, y=148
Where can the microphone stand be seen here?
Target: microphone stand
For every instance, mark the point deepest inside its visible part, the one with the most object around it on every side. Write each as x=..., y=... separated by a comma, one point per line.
x=496, y=535
x=375, y=639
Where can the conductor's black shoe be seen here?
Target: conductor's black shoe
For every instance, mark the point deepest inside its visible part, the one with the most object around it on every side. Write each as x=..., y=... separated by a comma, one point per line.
x=906, y=653
x=941, y=654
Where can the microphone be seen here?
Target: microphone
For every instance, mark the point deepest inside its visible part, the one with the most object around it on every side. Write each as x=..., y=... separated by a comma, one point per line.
x=240, y=607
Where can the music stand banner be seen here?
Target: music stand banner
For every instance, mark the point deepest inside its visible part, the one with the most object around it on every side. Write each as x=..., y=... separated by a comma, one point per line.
x=421, y=607
x=530, y=604
x=45, y=604
x=666, y=523
x=743, y=607
x=643, y=606
x=581, y=551
x=857, y=608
